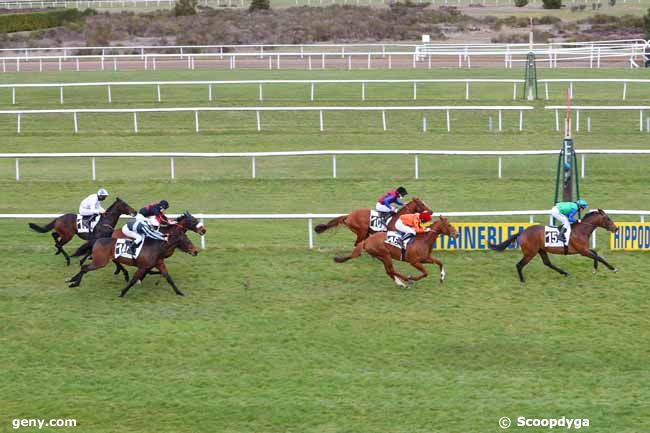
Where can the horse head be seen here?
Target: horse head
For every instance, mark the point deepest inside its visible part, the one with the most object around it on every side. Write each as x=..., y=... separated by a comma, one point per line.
x=416, y=205
x=122, y=207
x=600, y=218
x=177, y=237
x=190, y=222
x=443, y=227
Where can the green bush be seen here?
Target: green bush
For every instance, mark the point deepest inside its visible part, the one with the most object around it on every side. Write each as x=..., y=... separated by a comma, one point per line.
x=40, y=20
x=552, y=4
x=185, y=7
x=260, y=5
x=521, y=3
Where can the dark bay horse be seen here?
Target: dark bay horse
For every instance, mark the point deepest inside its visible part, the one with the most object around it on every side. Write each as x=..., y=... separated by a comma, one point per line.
x=358, y=221
x=532, y=242
x=65, y=226
x=418, y=251
x=152, y=255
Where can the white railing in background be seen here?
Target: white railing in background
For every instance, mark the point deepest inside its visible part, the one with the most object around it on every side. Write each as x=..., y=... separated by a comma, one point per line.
x=311, y=216
x=260, y=84
x=583, y=108
x=500, y=154
x=257, y=110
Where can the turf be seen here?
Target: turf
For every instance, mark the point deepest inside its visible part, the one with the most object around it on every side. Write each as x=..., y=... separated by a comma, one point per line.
x=274, y=337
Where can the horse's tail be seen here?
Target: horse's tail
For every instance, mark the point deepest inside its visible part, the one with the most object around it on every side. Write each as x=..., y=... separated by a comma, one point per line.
x=320, y=228
x=356, y=252
x=44, y=229
x=84, y=249
x=503, y=245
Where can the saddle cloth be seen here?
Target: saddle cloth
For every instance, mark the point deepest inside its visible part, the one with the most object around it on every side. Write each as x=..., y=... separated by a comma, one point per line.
x=552, y=237
x=122, y=249
x=394, y=239
x=82, y=228
x=377, y=223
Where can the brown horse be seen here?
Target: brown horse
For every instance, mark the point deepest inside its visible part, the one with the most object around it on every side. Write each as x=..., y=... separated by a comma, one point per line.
x=532, y=242
x=358, y=221
x=418, y=251
x=152, y=255
x=65, y=226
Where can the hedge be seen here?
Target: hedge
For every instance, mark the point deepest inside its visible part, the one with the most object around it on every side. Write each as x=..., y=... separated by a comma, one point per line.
x=40, y=20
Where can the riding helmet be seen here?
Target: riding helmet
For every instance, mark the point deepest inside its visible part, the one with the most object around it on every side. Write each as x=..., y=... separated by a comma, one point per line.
x=102, y=194
x=581, y=203
x=425, y=216
x=401, y=191
x=164, y=204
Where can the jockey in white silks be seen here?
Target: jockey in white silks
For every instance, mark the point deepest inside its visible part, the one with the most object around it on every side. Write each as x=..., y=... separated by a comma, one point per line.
x=91, y=207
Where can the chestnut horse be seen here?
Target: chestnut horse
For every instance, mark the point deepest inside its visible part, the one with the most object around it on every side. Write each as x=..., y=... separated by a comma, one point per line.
x=65, y=226
x=532, y=242
x=358, y=221
x=152, y=255
x=418, y=251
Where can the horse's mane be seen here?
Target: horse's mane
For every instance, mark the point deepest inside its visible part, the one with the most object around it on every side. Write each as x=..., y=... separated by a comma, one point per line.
x=592, y=213
x=117, y=200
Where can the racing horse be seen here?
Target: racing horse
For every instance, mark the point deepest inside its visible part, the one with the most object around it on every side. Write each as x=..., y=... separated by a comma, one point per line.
x=532, y=242
x=65, y=226
x=358, y=221
x=417, y=253
x=152, y=255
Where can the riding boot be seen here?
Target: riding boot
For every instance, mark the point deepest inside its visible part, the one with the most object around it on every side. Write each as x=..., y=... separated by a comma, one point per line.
x=133, y=247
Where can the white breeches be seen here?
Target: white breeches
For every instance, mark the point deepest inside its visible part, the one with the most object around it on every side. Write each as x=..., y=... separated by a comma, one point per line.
x=401, y=227
x=555, y=213
x=380, y=207
x=87, y=212
x=132, y=234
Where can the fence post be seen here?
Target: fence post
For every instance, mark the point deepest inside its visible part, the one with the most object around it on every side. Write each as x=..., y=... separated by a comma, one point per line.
x=624, y=90
x=320, y=114
x=202, y=236
x=259, y=122
x=135, y=122
x=171, y=168
x=334, y=166
x=196, y=121
x=253, y=167
x=500, y=120
x=415, y=90
x=61, y=95
x=577, y=120
x=514, y=91
x=467, y=90
x=17, y=170
x=383, y=119
x=94, y=169
x=311, y=234
x=363, y=91
x=500, y=167
x=546, y=90
x=582, y=165
x=448, y=122
x=76, y=124
x=210, y=92
x=158, y=91
x=13, y=96
x=531, y=218
x=18, y=123
x=261, y=94
x=593, y=240
x=311, y=92
x=110, y=96
x=557, y=120
x=641, y=120
x=424, y=124
x=417, y=167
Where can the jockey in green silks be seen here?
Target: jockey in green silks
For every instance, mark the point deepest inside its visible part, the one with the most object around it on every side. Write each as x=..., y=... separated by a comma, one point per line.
x=566, y=212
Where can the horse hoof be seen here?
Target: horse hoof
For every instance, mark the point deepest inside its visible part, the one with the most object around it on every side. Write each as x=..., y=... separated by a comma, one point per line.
x=399, y=282
x=615, y=270
x=594, y=271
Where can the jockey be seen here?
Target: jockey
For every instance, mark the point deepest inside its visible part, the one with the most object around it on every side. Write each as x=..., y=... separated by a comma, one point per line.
x=566, y=212
x=91, y=207
x=385, y=202
x=409, y=225
x=147, y=223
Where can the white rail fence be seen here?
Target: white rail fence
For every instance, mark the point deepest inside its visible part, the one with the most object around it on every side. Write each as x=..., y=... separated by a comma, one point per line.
x=584, y=108
x=311, y=216
x=258, y=110
x=210, y=86
x=499, y=154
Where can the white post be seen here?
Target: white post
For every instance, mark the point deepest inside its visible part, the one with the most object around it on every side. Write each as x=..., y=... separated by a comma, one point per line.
x=18, y=122
x=593, y=240
x=320, y=115
x=210, y=92
x=500, y=167
x=253, y=167
x=424, y=124
x=531, y=218
x=110, y=96
x=76, y=124
x=500, y=120
x=349, y=63
x=171, y=167
x=17, y=170
x=577, y=120
x=311, y=92
x=390, y=62
x=368, y=60
x=334, y=166
x=94, y=168
x=383, y=119
x=467, y=90
x=521, y=120
x=514, y=91
x=61, y=95
x=557, y=120
x=259, y=122
x=571, y=90
x=309, y=62
x=13, y=96
x=546, y=90
x=624, y=90
x=417, y=167
x=261, y=94
x=588, y=124
x=158, y=91
x=415, y=90
x=202, y=237
x=135, y=122
x=77, y=61
x=448, y=122
x=641, y=120
x=196, y=121
x=582, y=166
x=310, y=233
x=363, y=91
